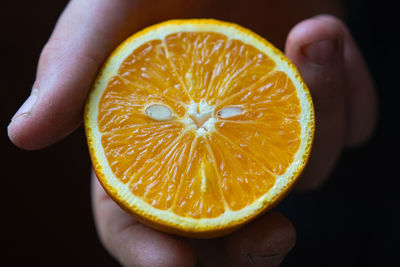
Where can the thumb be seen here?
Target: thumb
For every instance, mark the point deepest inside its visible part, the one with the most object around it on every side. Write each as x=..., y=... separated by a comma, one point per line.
x=316, y=47
x=67, y=66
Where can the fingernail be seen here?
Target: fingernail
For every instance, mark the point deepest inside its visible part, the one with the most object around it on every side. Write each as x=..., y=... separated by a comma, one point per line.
x=321, y=52
x=28, y=105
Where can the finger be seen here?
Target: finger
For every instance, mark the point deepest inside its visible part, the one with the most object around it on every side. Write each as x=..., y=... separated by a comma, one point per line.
x=132, y=243
x=361, y=95
x=84, y=35
x=317, y=47
x=263, y=242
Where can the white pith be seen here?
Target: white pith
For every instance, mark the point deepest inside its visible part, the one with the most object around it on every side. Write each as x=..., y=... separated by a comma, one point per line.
x=200, y=117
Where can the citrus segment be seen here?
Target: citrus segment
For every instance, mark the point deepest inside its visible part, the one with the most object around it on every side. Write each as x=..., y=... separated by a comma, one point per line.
x=273, y=96
x=241, y=65
x=199, y=195
x=149, y=68
x=273, y=144
x=243, y=178
x=158, y=179
x=197, y=126
x=127, y=150
x=195, y=56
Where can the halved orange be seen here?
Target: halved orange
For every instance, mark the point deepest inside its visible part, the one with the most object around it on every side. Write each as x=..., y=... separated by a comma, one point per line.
x=198, y=126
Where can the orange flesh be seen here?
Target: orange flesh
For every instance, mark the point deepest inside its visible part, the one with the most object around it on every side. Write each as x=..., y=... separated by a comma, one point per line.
x=174, y=168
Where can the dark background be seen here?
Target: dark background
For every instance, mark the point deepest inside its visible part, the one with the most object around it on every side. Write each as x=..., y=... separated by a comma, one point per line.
x=46, y=218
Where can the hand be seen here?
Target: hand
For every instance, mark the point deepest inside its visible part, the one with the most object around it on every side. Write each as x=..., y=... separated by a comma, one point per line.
x=87, y=32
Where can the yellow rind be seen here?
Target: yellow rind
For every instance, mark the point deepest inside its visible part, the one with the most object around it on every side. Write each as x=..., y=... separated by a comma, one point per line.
x=212, y=227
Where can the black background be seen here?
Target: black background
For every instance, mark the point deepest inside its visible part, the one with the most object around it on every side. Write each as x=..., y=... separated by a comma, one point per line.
x=46, y=218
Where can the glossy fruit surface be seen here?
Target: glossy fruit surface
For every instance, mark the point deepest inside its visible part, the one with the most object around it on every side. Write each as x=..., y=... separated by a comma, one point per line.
x=197, y=126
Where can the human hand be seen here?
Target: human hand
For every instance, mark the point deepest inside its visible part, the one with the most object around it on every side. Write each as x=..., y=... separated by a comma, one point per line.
x=345, y=109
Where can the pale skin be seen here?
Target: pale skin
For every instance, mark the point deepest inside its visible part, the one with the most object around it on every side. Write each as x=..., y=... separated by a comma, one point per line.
x=88, y=30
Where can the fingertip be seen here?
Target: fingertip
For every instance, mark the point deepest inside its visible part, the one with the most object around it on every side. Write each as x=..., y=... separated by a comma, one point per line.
x=135, y=244
x=16, y=125
x=316, y=46
x=15, y=131
x=52, y=111
x=33, y=130
x=311, y=31
x=263, y=242
x=361, y=102
x=160, y=250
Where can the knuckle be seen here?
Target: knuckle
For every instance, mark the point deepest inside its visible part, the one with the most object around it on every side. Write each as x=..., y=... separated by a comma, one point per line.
x=58, y=51
x=50, y=57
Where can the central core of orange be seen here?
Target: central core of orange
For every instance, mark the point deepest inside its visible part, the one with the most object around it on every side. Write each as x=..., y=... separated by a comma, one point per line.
x=200, y=119
x=201, y=116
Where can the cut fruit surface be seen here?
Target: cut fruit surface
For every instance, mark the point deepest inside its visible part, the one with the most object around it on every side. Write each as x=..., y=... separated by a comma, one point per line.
x=197, y=126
